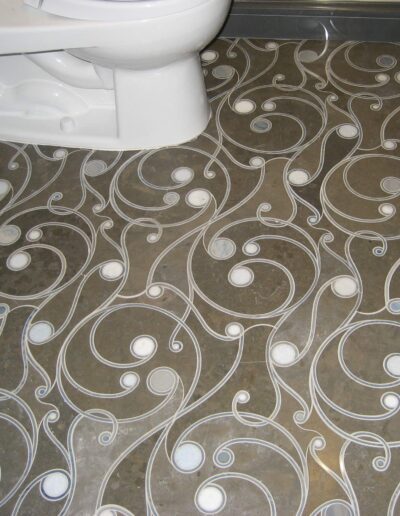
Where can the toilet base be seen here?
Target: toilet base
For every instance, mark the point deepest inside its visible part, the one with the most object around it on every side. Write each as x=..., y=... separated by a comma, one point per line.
x=146, y=109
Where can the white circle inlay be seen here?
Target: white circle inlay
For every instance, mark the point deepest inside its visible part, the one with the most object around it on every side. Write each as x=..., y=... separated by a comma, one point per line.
x=394, y=305
x=252, y=248
x=390, y=401
x=243, y=397
x=387, y=209
x=9, y=234
x=224, y=458
x=393, y=364
x=95, y=167
x=284, y=353
x=211, y=499
x=40, y=332
x=176, y=346
x=182, y=175
x=260, y=125
x=389, y=144
x=241, y=277
x=53, y=415
x=308, y=56
x=257, y=162
x=382, y=77
x=60, y=153
x=154, y=291
x=161, y=381
x=318, y=443
x=188, y=457
x=348, y=131
x=298, y=177
x=107, y=512
x=345, y=286
x=112, y=270
x=5, y=187
x=209, y=55
x=386, y=60
x=129, y=380
x=391, y=185
x=223, y=72
x=265, y=206
x=271, y=45
x=244, y=106
x=18, y=261
x=234, y=329
x=337, y=509
x=222, y=248
x=34, y=235
x=198, y=198
x=171, y=198
x=143, y=346
x=152, y=237
x=269, y=106
x=55, y=485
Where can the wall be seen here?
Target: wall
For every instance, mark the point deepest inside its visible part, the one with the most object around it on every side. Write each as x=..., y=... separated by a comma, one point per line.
x=368, y=20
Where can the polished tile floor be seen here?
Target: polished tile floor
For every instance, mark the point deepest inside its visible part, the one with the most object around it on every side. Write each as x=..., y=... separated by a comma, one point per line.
x=212, y=328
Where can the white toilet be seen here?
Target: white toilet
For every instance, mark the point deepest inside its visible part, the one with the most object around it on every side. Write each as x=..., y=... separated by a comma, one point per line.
x=105, y=74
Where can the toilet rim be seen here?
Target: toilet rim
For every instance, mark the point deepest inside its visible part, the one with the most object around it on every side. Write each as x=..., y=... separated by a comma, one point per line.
x=114, y=10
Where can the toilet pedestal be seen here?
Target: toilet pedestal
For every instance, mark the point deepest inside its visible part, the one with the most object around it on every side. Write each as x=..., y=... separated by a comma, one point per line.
x=145, y=109
x=164, y=106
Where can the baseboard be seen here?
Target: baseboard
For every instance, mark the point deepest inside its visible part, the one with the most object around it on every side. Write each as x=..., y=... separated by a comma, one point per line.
x=299, y=19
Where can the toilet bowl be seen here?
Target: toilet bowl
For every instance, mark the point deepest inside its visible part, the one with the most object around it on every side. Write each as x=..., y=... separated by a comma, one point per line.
x=105, y=74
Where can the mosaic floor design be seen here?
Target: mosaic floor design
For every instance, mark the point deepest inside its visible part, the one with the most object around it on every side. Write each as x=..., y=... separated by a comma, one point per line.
x=212, y=328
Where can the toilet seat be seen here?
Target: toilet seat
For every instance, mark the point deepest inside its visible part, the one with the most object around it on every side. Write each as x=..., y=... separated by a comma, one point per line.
x=113, y=10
